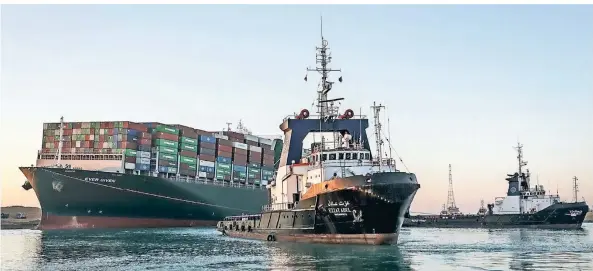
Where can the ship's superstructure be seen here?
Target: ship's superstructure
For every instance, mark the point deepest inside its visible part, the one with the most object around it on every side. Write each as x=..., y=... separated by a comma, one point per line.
x=336, y=191
x=521, y=197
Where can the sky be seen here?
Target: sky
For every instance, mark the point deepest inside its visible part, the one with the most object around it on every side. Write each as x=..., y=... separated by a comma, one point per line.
x=462, y=84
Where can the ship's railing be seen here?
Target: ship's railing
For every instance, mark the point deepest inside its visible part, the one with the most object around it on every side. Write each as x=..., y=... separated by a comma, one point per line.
x=201, y=180
x=278, y=206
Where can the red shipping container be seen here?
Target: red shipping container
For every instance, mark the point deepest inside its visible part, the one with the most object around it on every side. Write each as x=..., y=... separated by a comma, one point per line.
x=202, y=132
x=189, y=153
x=129, y=145
x=240, y=151
x=207, y=157
x=110, y=131
x=224, y=142
x=240, y=157
x=125, y=124
x=138, y=127
x=207, y=145
x=224, y=148
x=167, y=136
x=110, y=125
x=145, y=135
x=240, y=163
x=131, y=159
x=235, y=135
x=144, y=141
x=224, y=154
x=67, y=132
x=92, y=131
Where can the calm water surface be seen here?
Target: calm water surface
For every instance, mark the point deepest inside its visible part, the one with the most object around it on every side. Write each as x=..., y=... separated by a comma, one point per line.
x=205, y=249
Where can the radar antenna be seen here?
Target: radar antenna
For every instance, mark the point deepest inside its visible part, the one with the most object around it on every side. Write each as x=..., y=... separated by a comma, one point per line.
x=323, y=58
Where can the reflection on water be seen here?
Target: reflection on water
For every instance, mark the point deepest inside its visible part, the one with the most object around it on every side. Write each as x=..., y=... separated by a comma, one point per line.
x=205, y=249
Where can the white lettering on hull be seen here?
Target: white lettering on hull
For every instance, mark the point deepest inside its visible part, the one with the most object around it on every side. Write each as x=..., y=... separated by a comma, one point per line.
x=99, y=180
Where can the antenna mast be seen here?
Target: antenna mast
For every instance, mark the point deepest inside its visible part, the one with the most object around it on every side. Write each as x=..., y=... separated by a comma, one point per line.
x=378, y=141
x=451, y=206
x=522, y=163
x=228, y=126
x=323, y=58
x=575, y=188
x=60, y=144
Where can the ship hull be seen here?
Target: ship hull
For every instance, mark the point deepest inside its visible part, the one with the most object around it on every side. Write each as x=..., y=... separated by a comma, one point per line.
x=94, y=199
x=364, y=214
x=557, y=216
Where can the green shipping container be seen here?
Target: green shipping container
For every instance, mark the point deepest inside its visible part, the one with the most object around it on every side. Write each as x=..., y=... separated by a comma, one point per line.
x=129, y=152
x=168, y=150
x=189, y=141
x=186, y=147
x=167, y=129
x=193, y=167
x=254, y=170
x=167, y=157
x=167, y=143
x=188, y=160
x=220, y=176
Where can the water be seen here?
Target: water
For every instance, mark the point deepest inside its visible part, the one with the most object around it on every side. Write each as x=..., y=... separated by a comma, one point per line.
x=205, y=249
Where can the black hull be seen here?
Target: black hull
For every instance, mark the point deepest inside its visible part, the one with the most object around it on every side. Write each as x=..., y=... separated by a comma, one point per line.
x=95, y=199
x=557, y=216
x=366, y=214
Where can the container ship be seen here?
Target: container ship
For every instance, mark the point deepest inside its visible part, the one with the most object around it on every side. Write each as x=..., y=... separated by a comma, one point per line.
x=124, y=174
x=523, y=207
x=335, y=192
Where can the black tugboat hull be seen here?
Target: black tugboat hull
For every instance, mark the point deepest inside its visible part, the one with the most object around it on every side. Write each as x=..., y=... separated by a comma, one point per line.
x=557, y=216
x=365, y=214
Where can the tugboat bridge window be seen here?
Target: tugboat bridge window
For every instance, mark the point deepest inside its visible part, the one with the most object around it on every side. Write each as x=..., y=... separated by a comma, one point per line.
x=341, y=156
x=332, y=156
x=348, y=156
x=355, y=156
x=324, y=157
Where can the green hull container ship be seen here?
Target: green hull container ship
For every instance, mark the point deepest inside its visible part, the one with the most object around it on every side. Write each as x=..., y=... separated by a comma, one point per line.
x=137, y=175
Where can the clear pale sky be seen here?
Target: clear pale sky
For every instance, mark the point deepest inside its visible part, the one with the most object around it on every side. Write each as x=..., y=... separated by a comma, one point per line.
x=462, y=83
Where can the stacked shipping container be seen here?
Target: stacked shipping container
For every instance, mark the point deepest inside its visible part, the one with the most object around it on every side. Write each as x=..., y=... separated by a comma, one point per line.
x=174, y=149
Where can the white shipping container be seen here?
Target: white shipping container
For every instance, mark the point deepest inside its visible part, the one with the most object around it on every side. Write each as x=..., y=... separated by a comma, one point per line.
x=45, y=125
x=92, y=137
x=206, y=163
x=240, y=145
x=221, y=136
x=130, y=166
x=140, y=160
x=101, y=131
x=143, y=154
x=202, y=174
x=78, y=144
x=265, y=141
x=252, y=138
x=254, y=148
x=85, y=125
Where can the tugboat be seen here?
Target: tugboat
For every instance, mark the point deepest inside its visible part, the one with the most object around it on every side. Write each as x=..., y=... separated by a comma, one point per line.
x=336, y=192
x=523, y=207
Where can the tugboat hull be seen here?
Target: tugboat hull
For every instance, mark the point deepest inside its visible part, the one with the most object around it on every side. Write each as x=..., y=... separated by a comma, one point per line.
x=363, y=214
x=557, y=216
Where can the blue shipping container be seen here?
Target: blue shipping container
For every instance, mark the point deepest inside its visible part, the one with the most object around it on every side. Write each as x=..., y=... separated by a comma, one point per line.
x=142, y=167
x=209, y=139
x=239, y=168
x=132, y=132
x=224, y=160
x=115, y=131
x=206, y=169
x=167, y=169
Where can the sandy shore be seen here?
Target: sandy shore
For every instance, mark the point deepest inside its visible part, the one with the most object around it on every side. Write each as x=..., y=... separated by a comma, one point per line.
x=11, y=223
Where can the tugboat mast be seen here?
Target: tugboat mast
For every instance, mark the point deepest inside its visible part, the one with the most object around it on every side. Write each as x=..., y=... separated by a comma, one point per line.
x=323, y=58
x=575, y=188
x=378, y=140
x=522, y=163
